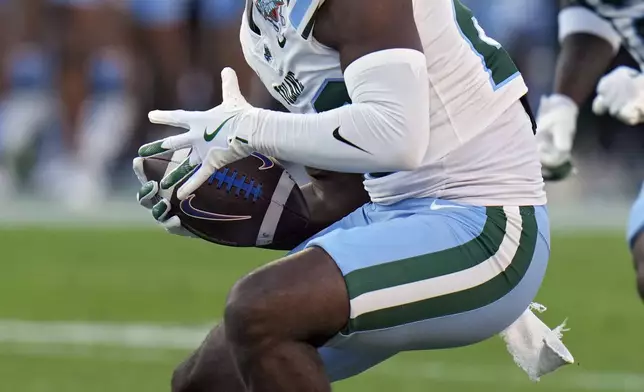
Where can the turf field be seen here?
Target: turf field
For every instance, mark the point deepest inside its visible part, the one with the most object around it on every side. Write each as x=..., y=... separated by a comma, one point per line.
x=114, y=310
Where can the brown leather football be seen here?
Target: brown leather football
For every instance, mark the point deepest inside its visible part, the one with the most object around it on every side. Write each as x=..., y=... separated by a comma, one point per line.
x=251, y=202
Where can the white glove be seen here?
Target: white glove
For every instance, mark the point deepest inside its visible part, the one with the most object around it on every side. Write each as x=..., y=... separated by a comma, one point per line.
x=210, y=135
x=556, y=128
x=148, y=196
x=621, y=94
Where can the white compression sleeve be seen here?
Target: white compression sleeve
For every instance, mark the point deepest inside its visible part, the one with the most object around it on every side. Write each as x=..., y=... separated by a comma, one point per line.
x=386, y=128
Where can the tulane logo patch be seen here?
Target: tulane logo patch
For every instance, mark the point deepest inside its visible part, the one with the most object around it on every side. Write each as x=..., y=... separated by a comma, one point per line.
x=271, y=10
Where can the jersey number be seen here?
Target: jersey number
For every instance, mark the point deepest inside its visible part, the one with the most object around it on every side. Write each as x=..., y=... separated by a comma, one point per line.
x=496, y=60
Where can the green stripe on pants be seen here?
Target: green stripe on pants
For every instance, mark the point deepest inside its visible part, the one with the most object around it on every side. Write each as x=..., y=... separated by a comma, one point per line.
x=469, y=298
x=429, y=266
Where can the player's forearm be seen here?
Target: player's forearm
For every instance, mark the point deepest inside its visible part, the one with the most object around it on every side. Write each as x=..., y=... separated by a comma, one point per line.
x=583, y=60
x=385, y=129
x=588, y=45
x=330, y=197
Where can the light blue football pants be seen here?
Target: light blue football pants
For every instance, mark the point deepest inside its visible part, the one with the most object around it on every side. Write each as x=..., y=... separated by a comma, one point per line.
x=429, y=274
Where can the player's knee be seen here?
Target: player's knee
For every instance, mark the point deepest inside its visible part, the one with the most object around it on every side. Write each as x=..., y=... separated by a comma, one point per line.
x=188, y=377
x=182, y=380
x=245, y=316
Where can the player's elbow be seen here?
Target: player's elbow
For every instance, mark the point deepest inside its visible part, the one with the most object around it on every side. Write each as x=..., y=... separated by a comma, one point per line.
x=408, y=152
x=406, y=157
x=395, y=134
x=413, y=140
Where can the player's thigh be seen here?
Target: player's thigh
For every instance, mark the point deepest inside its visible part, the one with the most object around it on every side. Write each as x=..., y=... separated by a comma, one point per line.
x=302, y=294
x=301, y=297
x=433, y=280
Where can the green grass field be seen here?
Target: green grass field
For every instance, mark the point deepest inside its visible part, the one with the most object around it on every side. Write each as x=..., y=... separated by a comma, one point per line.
x=105, y=282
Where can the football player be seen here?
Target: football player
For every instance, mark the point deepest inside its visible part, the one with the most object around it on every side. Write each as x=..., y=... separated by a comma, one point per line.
x=450, y=242
x=71, y=86
x=165, y=26
x=591, y=33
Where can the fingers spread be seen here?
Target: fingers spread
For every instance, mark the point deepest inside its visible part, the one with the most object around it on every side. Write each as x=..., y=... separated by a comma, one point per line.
x=230, y=88
x=175, y=118
x=196, y=180
x=171, y=143
x=178, y=174
x=137, y=166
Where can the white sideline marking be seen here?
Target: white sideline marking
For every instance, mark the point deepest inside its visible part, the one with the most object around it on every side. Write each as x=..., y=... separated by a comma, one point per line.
x=565, y=217
x=44, y=339
x=569, y=377
x=96, y=334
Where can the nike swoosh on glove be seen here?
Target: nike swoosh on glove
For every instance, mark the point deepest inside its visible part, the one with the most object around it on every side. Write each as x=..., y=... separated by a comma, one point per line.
x=149, y=198
x=209, y=136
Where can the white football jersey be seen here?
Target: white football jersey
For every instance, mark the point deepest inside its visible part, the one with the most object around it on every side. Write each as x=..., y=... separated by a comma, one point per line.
x=482, y=148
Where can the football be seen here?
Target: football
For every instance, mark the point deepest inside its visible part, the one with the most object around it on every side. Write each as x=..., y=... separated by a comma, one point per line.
x=253, y=202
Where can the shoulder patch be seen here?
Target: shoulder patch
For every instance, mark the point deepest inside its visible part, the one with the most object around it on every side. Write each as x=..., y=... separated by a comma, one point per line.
x=302, y=15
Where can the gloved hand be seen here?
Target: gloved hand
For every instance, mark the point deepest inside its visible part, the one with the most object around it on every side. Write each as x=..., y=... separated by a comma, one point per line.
x=621, y=94
x=211, y=135
x=148, y=196
x=556, y=128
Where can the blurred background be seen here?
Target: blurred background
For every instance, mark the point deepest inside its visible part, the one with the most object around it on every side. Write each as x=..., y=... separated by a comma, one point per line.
x=94, y=297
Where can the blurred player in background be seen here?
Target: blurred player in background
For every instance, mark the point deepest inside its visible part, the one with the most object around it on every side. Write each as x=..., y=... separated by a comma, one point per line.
x=591, y=33
x=69, y=79
x=185, y=42
x=97, y=81
x=450, y=242
x=27, y=101
x=184, y=61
